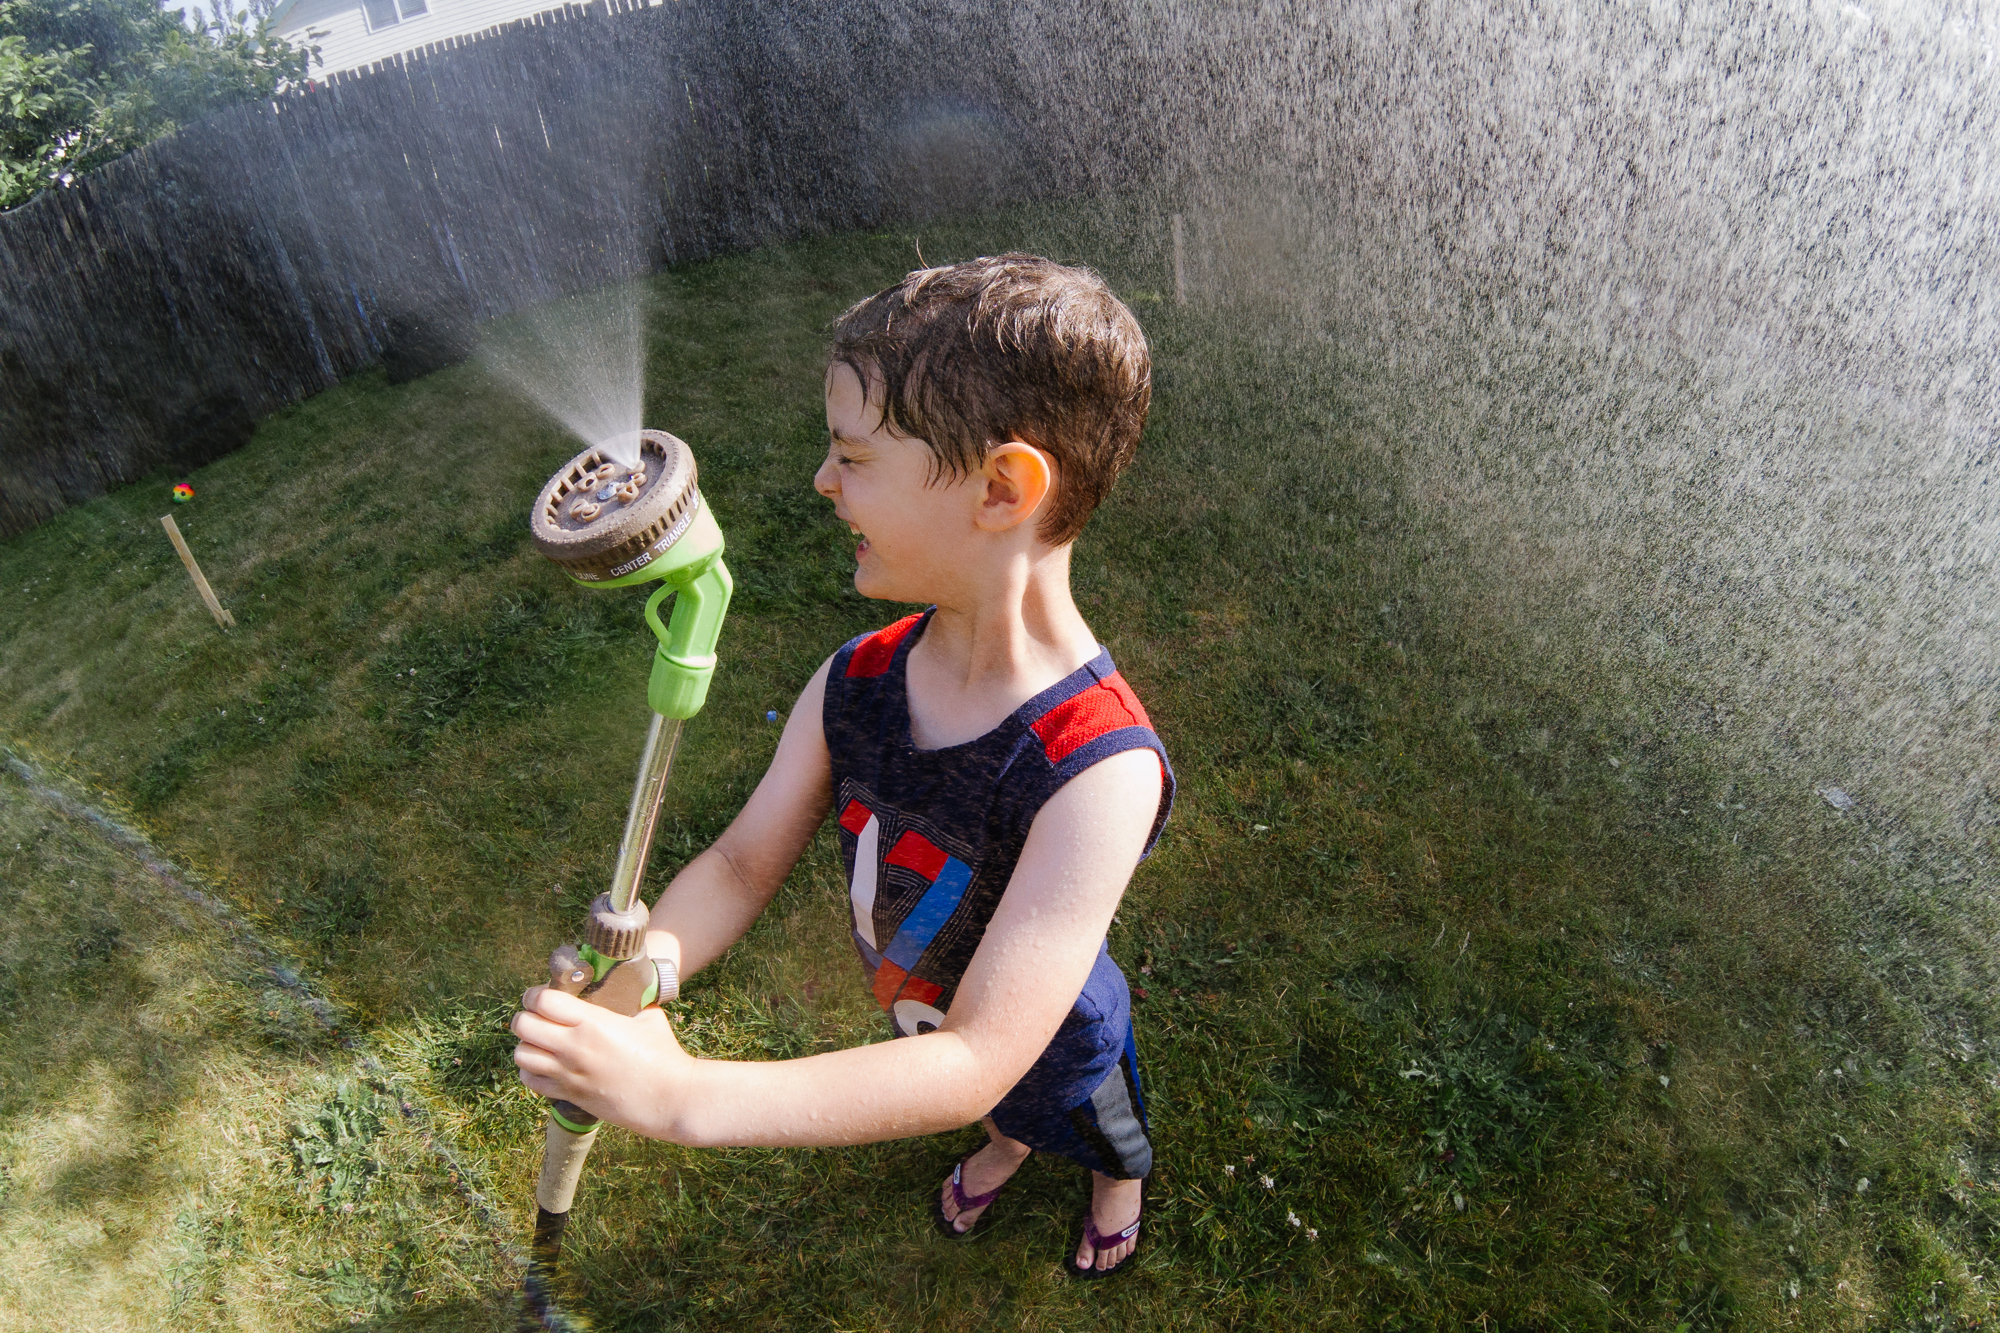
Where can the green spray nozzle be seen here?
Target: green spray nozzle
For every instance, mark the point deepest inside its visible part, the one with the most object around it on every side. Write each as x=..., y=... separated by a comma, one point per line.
x=611, y=523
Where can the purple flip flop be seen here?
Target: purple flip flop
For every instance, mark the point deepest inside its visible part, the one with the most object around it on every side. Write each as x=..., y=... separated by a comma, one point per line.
x=964, y=1200
x=1100, y=1242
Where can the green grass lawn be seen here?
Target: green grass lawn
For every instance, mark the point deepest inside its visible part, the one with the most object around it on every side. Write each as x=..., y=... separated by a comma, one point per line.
x=1449, y=1021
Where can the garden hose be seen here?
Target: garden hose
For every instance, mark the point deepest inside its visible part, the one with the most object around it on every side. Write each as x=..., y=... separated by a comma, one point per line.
x=609, y=524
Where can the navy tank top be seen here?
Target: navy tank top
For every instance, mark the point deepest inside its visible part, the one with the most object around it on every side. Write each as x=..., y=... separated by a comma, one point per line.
x=930, y=837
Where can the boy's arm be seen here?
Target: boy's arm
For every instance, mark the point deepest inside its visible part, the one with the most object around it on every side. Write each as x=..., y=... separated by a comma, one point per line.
x=1029, y=969
x=717, y=896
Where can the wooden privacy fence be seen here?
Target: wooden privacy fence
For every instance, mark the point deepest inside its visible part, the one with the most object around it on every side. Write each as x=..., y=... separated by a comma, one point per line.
x=150, y=315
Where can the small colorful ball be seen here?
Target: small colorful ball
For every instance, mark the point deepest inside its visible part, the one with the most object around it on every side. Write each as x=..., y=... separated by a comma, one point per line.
x=183, y=493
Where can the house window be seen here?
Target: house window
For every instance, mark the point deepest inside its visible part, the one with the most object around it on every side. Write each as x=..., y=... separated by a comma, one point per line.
x=387, y=13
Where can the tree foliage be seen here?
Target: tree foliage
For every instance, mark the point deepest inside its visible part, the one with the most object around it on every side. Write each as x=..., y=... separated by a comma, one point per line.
x=85, y=81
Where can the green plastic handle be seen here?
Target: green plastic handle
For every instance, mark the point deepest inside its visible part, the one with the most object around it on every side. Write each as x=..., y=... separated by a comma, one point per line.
x=686, y=661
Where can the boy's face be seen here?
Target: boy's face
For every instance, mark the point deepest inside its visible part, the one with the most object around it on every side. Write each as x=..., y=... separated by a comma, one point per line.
x=880, y=485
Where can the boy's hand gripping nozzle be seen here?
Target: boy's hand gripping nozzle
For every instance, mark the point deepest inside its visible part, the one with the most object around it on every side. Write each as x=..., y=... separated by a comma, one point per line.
x=609, y=525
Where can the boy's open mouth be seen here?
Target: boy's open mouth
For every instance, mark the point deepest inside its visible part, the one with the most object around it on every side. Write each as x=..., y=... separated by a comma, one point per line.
x=863, y=536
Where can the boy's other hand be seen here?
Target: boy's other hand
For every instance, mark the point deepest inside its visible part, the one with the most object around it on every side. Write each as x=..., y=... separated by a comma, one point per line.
x=630, y=1071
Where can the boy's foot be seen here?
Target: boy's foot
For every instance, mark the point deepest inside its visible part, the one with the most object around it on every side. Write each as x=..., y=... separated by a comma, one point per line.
x=969, y=1190
x=1111, y=1230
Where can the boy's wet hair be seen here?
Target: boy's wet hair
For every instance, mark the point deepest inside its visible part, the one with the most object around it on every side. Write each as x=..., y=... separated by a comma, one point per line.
x=1008, y=347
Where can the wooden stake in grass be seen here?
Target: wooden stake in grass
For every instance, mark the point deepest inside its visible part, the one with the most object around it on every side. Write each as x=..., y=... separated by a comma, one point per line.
x=222, y=617
x=1180, y=264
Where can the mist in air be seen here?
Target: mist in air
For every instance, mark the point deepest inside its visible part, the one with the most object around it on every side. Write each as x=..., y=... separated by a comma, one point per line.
x=1677, y=326
x=1673, y=324
x=579, y=359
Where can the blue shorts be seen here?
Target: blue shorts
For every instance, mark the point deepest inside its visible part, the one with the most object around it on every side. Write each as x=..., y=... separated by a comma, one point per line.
x=1081, y=1099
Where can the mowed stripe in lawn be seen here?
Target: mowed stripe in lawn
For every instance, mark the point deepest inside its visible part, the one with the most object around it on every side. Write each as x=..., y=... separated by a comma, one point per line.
x=189, y=1140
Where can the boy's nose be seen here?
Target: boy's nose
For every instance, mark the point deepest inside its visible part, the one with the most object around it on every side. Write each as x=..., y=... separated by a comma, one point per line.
x=827, y=480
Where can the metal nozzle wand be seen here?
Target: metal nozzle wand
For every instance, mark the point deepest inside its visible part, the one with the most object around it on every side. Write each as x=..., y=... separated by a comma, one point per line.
x=611, y=525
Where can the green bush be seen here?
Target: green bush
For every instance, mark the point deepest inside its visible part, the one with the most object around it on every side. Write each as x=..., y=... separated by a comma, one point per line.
x=86, y=81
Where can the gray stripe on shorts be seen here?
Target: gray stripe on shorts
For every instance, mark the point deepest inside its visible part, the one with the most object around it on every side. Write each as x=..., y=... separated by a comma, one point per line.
x=1119, y=1122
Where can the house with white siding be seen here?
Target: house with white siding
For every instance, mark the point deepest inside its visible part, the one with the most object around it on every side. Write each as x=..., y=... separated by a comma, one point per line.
x=355, y=34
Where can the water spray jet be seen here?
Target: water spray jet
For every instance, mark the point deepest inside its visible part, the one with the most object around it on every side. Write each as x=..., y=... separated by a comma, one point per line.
x=626, y=512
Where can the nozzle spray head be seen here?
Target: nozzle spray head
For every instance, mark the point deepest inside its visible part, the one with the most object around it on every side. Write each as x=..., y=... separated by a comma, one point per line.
x=609, y=524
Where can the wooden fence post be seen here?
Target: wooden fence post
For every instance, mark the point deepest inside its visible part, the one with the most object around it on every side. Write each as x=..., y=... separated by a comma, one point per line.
x=222, y=617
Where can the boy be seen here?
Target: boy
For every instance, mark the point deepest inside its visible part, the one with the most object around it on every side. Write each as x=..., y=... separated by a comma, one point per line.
x=994, y=779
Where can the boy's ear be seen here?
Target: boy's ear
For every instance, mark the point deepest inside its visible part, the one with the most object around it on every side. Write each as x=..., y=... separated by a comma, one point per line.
x=1018, y=478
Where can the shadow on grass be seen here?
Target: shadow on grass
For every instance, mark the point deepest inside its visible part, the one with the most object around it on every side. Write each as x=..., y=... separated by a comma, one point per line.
x=174, y=1119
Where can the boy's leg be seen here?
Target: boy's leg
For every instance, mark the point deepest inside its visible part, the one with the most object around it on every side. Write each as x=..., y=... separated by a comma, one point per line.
x=1106, y=1133
x=1118, y=1109
x=985, y=1171
x=1114, y=1205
